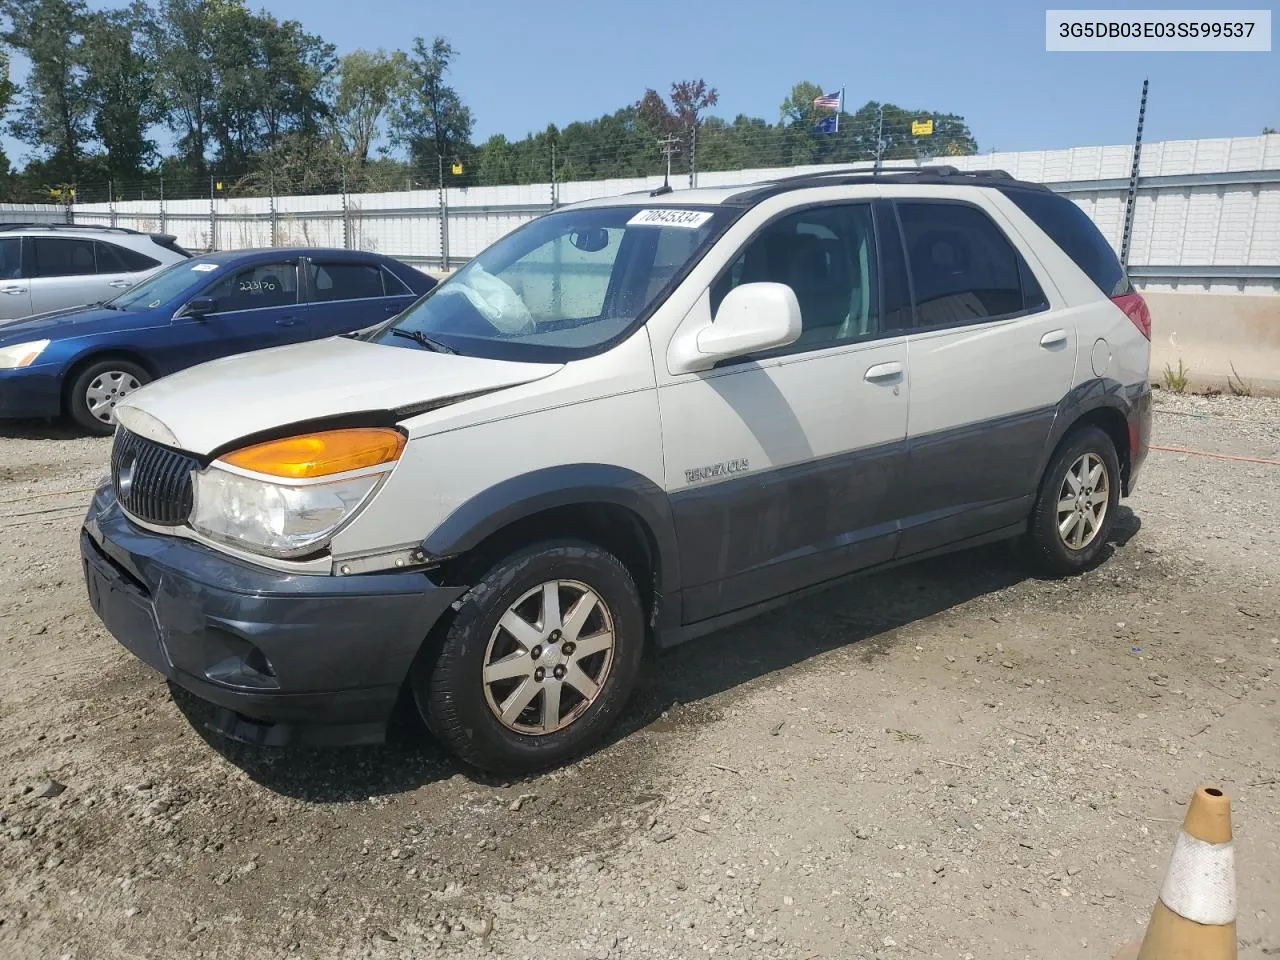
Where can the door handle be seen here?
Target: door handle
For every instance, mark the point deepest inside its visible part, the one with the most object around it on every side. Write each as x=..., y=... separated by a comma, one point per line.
x=1053, y=338
x=120, y=284
x=883, y=371
x=13, y=289
x=286, y=322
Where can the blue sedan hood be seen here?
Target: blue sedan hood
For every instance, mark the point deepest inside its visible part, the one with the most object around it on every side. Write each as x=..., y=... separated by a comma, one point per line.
x=73, y=322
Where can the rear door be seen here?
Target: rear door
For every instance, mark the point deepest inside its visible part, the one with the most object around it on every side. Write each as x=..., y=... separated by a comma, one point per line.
x=990, y=359
x=256, y=306
x=63, y=272
x=15, y=288
x=345, y=295
x=119, y=268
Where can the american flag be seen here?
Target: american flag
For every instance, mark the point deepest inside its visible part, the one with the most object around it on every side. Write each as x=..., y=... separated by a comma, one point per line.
x=829, y=101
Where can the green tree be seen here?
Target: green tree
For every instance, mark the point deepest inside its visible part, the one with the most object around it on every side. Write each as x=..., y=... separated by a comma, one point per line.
x=798, y=108
x=54, y=110
x=119, y=85
x=366, y=87
x=429, y=118
x=181, y=45
x=293, y=68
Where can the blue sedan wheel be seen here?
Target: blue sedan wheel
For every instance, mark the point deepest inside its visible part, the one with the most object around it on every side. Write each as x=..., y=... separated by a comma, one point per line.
x=99, y=388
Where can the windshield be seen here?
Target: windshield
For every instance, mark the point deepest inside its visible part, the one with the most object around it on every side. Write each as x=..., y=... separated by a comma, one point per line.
x=171, y=283
x=559, y=287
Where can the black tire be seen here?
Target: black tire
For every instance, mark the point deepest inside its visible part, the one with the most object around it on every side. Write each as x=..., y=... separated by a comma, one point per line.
x=454, y=699
x=130, y=375
x=1047, y=548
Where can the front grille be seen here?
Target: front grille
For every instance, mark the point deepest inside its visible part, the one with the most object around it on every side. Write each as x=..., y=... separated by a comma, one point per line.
x=152, y=482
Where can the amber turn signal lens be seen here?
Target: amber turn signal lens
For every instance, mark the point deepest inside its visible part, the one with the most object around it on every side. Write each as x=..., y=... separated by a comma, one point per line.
x=320, y=454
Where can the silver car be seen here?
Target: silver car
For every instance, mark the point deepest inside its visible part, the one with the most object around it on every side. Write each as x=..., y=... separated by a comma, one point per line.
x=52, y=266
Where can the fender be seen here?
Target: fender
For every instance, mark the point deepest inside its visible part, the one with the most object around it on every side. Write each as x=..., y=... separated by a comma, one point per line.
x=1095, y=394
x=561, y=486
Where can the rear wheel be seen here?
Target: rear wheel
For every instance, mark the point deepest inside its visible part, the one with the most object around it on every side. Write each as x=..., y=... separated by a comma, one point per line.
x=1075, y=508
x=99, y=387
x=538, y=661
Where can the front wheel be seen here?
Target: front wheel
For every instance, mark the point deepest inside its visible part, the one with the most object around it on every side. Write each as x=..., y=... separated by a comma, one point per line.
x=538, y=660
x=94, y=394
x=1076, y=506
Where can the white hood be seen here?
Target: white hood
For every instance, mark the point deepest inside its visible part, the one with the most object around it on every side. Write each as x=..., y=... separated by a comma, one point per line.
x=205, y=407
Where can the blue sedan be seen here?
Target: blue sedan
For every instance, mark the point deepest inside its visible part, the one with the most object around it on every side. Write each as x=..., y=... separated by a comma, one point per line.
x=82, y=361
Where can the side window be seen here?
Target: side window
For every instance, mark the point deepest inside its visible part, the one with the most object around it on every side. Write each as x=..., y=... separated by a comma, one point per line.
x=393, y=286
x=345, y=281
x=262, y=285
x=963, y=268
x=10, y=258
x=827, y=256
x=115, y=259
x=61, y=257
x=1071, y=229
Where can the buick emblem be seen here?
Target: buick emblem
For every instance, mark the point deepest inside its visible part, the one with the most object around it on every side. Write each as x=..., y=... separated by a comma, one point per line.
x=124, y=479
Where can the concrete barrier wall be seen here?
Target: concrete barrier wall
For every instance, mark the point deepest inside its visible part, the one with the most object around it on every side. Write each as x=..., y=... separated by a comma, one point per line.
x=1210, y=333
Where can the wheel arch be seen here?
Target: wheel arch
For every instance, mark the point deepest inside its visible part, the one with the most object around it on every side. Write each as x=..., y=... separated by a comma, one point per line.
x=1103, y=403
x=616, y=508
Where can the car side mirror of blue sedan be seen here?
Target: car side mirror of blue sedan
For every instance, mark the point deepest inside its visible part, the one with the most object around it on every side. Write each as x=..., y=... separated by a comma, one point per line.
x=200, y=306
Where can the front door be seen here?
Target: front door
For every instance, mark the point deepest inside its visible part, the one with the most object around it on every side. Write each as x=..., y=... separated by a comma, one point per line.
x=990, y=359
x=255, y=307
x=779, y=465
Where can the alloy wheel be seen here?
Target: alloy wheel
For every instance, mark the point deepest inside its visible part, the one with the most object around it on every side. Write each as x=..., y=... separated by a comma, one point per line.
x=1083, y=501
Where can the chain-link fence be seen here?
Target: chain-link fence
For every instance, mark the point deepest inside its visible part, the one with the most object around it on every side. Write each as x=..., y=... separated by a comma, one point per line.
x=1203, y=210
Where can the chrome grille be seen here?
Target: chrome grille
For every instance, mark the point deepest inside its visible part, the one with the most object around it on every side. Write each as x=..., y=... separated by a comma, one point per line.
x=152, y=481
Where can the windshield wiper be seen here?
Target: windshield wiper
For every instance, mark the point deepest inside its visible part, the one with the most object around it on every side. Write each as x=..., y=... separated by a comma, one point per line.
x=423, y=340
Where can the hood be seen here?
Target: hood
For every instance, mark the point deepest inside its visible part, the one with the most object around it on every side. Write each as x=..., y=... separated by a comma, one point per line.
x=206, y=407
x=71, y=322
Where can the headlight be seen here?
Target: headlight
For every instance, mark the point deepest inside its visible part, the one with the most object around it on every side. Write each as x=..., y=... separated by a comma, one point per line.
x=21, y=354
x=286, y=498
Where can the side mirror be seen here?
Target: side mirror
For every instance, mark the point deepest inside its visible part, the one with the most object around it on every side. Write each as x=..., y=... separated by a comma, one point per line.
x=751, y=318
x=201, y=306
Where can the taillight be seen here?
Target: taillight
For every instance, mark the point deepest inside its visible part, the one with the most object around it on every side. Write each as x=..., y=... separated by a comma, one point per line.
x=1135, y=308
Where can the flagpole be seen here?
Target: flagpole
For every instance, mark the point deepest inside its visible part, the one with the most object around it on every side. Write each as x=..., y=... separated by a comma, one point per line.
x=839, y=107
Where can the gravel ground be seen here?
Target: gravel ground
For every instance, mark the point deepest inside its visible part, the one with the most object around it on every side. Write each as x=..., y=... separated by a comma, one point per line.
x=952, y=760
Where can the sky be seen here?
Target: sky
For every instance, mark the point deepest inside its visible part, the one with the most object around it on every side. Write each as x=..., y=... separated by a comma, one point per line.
x=522, y=65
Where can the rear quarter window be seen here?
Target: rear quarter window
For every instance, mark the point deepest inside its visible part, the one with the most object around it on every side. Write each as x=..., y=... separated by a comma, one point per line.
x=1071, y=229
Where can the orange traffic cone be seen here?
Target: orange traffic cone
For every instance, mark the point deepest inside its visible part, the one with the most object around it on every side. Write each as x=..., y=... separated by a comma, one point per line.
x=1195, y=916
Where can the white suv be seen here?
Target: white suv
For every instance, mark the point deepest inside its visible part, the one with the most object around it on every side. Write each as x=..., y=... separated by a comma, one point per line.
x=631, y=421
x=52, y=266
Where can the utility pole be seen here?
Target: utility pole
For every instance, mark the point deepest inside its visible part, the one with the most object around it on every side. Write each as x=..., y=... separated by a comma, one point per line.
x=444, y=215
x=1131, y=199
x=670, y=147
x=555, y=197
x=693, y=155
x=879, y=134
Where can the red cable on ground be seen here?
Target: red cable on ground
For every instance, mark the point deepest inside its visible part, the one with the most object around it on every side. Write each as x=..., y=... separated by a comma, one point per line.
x=1217, y=456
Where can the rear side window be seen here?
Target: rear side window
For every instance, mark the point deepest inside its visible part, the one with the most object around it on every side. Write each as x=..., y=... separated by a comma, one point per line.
x=963, y=268
x=1071, y=229
x=62, y=257
x=10, y=258
x=345, y=281
x=114, y=259
x=393, y=285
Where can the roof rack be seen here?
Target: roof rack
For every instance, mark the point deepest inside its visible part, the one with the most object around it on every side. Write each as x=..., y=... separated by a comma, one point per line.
x=40, y=225
x=939, y=175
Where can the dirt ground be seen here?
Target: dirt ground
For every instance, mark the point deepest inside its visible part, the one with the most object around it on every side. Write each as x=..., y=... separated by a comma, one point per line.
x=952, y=760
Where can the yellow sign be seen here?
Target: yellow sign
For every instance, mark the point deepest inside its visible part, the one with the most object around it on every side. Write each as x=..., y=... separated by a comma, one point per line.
x=457, y=169
x=922, y=128
x=218, y=185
